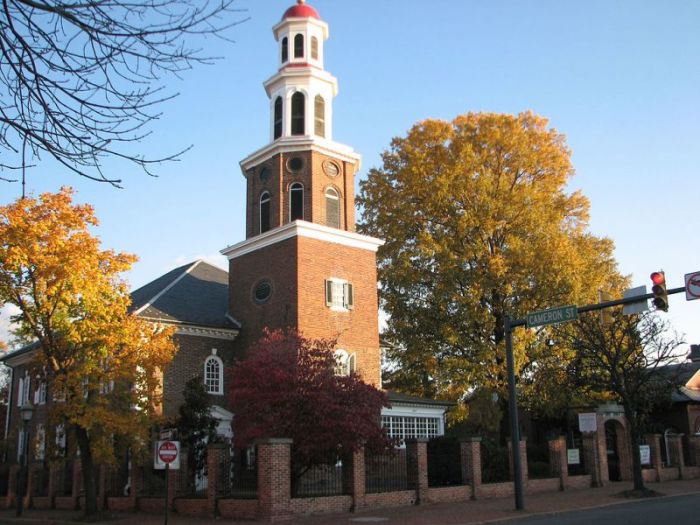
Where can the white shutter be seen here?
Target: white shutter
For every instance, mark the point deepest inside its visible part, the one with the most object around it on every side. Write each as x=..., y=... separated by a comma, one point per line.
x=20, y=391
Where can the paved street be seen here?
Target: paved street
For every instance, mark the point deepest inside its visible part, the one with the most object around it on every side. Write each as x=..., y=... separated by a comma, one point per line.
x=676, y=510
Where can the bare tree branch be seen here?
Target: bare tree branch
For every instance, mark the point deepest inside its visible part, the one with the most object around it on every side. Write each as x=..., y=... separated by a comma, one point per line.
x=82, y=79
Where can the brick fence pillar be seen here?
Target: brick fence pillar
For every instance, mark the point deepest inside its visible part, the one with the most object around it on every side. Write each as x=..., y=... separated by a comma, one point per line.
x=417, y=467
x=470, y=454
x=591, y=459
x=522, y=450
x=77, y=480
x=54, y=483
x=274, y=479
x=102, y=477
x=694, y=450
x=558, y=461
x=217, y=454
x=136, y=481
x=654, y=441
x=29, y=485
x=12, y=485
x=675, y=445
x=354, y=478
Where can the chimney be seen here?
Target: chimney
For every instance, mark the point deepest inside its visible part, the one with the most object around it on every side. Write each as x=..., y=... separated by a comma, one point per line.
x=694, y=354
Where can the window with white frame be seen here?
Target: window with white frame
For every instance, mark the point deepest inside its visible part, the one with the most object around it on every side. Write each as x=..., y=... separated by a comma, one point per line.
x=40, y=442
x=40, y=394
x=23, y=388
x=407, y=427
x=60, y=440
x=339, y=294
x=213, y=370
x=345, y=364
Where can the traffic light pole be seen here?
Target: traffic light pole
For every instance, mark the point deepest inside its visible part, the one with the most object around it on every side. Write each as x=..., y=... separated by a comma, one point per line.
x=513, y=407
x=509, y=324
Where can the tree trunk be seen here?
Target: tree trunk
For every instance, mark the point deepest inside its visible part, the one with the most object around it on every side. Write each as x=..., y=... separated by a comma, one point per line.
x=635, y=441
x=89, y=478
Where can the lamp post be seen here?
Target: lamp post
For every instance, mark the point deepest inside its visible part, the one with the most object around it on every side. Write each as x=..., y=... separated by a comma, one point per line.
x=26, y=411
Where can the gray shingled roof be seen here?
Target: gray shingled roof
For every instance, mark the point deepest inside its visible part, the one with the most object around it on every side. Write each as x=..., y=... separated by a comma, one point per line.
x=397, y=397
x=195, y=294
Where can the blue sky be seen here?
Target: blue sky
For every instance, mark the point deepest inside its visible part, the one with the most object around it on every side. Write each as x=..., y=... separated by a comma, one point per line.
x=621, y=79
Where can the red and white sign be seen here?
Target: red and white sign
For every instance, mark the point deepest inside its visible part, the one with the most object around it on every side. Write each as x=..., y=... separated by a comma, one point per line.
x=167, y=453
x=692, y=286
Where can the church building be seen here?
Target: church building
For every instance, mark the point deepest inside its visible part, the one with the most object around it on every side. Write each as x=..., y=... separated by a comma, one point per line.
x=302, y=264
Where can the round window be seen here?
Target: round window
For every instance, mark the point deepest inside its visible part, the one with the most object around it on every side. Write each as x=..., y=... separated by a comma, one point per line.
x=331, y=168
x=295, y=164
x=262, y=291
x=264, y=174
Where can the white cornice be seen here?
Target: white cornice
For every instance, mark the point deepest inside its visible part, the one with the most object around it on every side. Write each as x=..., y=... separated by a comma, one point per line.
x=296, y=21
x=309, y=230
x=202, y=331
x=293, y=144
x=21, y=359
x=291, y=72
x=197, y=330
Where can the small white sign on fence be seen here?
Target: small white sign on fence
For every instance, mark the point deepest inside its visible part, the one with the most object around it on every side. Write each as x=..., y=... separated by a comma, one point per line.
x=587, y=422
x=573, y=456
x=645, y=454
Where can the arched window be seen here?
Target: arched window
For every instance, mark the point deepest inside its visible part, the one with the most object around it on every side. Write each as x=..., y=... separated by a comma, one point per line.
x=278, y=117
x=299, y=46
x=298, y=113
x=285, y=49
x=213, y=371
x=319, y=116
x=296, y=201
x=314, y=48
x=264, y=212
x=344, y=363
x=332, y=208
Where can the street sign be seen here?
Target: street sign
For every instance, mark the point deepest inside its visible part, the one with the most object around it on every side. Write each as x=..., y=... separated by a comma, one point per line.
x=167, y=453
x=638, y=307
x=692, y=286
x=552, y=316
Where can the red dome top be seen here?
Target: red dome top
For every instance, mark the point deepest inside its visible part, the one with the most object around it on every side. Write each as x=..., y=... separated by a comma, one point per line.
x=301, y=10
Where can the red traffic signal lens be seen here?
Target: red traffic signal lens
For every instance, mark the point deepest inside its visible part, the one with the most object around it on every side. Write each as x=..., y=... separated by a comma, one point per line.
x=658, y=278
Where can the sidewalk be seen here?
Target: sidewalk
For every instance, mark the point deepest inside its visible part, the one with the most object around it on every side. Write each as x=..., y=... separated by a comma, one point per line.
x=470, y=512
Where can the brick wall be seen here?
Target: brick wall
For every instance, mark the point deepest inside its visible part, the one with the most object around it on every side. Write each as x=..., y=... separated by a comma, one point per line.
x=187, y=363
x=297, y=269
x=315, y=181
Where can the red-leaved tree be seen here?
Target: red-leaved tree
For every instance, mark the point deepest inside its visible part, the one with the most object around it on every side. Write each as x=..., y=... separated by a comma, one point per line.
x=287, y=388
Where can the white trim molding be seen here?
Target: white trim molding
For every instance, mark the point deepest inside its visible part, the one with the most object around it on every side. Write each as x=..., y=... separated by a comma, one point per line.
x=294, y=144
x=310, y=230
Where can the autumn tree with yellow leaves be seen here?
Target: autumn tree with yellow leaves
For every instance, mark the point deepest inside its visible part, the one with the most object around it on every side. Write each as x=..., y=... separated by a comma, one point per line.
x=478, y=225
x=102, y=365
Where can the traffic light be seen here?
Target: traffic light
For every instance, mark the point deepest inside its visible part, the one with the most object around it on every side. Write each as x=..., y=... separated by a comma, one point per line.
x=659, y=290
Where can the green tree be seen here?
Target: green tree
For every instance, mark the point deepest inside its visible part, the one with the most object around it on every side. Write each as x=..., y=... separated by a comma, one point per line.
x=196, y=425
x=478, y=225
x=625, y=360
x=102, y=365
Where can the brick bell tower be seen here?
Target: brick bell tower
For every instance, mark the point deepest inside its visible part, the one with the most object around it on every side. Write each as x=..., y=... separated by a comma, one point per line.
x=302, y=265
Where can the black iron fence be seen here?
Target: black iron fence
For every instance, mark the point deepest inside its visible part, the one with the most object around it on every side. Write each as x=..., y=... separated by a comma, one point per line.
x=152, y=482
x=40, y=480
x=444, y=462
x=237, y=475
x=494, y=462
x=386, y=472
x=538, y=461
x=324, y=479
x=65, y=479
x=118, y=481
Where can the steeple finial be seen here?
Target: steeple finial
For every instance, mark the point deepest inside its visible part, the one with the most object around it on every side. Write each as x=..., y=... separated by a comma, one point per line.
x=301, y=2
